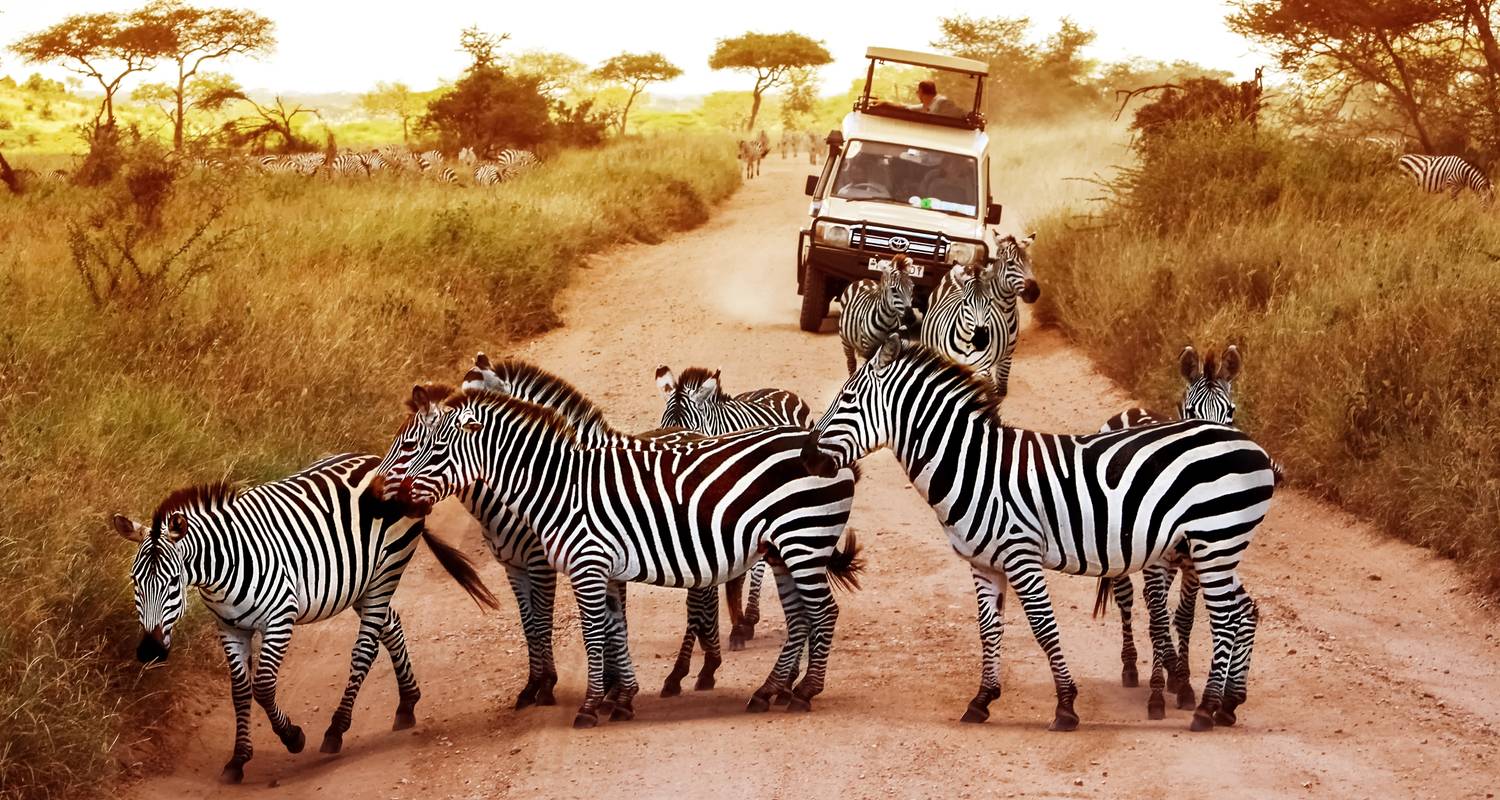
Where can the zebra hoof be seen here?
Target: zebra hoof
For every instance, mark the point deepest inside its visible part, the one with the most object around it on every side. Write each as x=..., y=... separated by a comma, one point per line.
x=544, y=697
x=585, y=719
x=975, y=715
x=621, y=714
x=736, y=643
x=1225, y=717
x=704, y=683
x=1172, y=683
x=527, y=697
x=1156, y=707
x=1186, y=697
x=795, y=703
x=1203, y=720
x=333, y=742
x=404, y=720
x=1064, y=720
x=758, y=704
x=606, y=708
x=782, y=698
x=233, y=773
x=294, y=739
x=744, y=632
x=671, y=689
x=1129, y=677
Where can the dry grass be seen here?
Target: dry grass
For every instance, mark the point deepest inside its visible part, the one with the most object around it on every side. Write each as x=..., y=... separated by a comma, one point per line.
x=324, y=303
x=1365, y=310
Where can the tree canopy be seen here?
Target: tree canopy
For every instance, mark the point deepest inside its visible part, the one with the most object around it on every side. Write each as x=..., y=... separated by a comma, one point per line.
x=105, y=47
x=397, y=101
x=636, y=71
x=1029, y=78
x=771, y=57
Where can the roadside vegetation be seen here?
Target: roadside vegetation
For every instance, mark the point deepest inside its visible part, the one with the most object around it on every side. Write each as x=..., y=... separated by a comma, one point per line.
x=285, y=326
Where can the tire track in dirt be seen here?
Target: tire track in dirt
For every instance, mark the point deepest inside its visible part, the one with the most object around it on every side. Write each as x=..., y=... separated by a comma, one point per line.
x=1374, y=669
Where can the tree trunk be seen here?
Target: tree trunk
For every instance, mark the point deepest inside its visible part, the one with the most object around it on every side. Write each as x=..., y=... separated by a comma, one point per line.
x=8, y=176
x=625, y=115
x=177, y=123
x=754, y=109
x=1491, y=59
x=1407, y=94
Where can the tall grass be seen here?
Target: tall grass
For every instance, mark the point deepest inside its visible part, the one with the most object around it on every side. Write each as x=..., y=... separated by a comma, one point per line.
x=324, y=302
x=1365, y=310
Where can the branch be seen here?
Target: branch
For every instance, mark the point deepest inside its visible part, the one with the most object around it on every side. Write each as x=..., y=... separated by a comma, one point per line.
x=1131, y=93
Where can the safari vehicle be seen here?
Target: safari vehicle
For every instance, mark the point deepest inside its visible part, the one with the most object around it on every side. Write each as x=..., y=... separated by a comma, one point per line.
x=900, y=180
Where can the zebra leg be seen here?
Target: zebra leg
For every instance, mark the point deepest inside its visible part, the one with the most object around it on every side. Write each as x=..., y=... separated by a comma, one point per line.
x=672, y=686
x=273, y=643
x=1001, y=376
x=849, y=357
x=1163, y=656
x=543, y=596
x=989, y=592
x=1187, y=607
x=734, y=593
x=621, y=696
x=1026, y=577
x=372, y=622
x=822, y=613
x=520, y=585
x=752, y=600
x=706, y=623
x=1221, y=588
x=1124, y=590
x=237, y=652
x=787, y=662
x=615, y=602
x=393, y=638
x=1239, y=666
x=591, y=590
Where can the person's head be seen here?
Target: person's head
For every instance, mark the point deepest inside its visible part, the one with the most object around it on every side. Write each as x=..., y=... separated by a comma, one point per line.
x=926, y=91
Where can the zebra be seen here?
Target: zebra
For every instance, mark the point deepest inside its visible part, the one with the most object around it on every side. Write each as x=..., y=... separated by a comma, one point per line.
x=697, y=402
x=1014, y=502
x=957, y=322
x=1450, y=174
x=872, y=311
x=487, y=174
x=687, y=514
x=812, y=147
x=346, y=164
x=1009, y=280
x=514, y=163
x=751, y=155
x=430, y=162
x=297, y=550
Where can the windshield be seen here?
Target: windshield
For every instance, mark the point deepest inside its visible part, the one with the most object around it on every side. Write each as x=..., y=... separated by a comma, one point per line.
x=913, y=176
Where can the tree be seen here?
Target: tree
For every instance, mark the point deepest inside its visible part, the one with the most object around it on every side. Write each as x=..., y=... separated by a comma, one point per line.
x=801, y=97
x=395, y=100
x=199, y=35
x=105, y=47
x=556, y=73
x=771, y=56
x=480, y=46
x=489, y=109
x=636, y=71
x=1027, y=78
x=274, y=120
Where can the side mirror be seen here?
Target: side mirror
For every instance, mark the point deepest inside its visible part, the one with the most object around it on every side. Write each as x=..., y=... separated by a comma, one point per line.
x=992, y=215
x=811, y=186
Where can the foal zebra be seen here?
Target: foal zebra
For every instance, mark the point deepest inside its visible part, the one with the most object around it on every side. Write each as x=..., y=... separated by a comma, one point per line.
x=1450, y=174
x=297, y=550
x=690, y=515
x=1014, y=502
x=873, y=311
x=698, y=403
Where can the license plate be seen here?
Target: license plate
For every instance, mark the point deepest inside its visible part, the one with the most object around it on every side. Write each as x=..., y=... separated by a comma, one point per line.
x=916, y=270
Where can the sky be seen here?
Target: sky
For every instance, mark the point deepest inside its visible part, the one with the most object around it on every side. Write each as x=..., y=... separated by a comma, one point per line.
x=327, y=46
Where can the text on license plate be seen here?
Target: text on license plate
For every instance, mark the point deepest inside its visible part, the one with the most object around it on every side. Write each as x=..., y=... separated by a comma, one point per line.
x=915, y=270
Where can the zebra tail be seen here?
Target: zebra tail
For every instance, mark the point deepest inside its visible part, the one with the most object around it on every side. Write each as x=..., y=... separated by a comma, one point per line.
x=458, y=565
x=845, y=565
x=1278, y=474
x=1101, y=598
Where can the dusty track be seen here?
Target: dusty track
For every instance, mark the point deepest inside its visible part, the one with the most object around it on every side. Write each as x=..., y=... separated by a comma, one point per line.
x=1374, y=673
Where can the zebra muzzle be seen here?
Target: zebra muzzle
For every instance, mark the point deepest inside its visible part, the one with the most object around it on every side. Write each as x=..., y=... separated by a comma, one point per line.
x=1030, y=291
x=151, y=650
x=817, y=462
x=981, y=338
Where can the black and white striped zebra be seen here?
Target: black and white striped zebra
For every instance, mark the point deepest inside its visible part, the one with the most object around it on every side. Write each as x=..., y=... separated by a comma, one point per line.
x=698, y=402
x=514, y=163
x=348, y=165
x=874, y=310
x=430, y=162
x=957, y=322
x=1451, y=174
x=290, y=552
x=487, y=173
x=690, y=515
x=1010, y=279
x=750, y=153
x=1016, y=502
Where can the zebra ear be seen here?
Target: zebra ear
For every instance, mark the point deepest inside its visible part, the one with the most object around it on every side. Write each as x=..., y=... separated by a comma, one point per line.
x=1028, y=241
x=468, y=421
x=128, y=528
x=1188, y=362
x=666, y=382
x=708, y=388
x=177, y=526
x=482, y=361
x=887, y=352
x=1231, y=368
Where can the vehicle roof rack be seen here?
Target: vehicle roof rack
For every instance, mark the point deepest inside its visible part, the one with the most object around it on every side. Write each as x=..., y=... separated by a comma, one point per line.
x=967, y=66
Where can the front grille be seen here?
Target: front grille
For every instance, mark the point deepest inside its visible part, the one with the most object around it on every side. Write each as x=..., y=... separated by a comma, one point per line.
x=877, y=238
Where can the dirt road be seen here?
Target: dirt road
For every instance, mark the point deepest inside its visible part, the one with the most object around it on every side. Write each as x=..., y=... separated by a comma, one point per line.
x=1374, y=674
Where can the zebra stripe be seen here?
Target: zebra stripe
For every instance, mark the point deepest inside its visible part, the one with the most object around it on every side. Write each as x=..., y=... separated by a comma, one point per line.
x=957, y=320
x=1015, y=502
x=689, y=514
x=1450, y=174
x=873, y=311
x=697, y=402
x=290, y=552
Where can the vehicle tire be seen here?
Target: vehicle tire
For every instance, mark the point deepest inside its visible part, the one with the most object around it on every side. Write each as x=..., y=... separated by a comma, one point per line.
x=814, y=300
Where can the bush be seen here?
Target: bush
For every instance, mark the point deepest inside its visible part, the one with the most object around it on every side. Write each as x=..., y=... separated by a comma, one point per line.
x=1364, y=309
x=298, y=344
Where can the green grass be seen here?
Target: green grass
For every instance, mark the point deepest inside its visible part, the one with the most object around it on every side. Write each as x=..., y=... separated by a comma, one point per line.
x=331, y=301
x=1364, y=309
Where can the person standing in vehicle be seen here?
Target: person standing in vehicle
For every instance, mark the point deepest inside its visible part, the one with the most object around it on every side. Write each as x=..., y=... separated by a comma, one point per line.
x=931, y=102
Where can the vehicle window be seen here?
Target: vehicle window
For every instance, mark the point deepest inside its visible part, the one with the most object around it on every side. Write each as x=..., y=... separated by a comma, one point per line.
x=913, y=176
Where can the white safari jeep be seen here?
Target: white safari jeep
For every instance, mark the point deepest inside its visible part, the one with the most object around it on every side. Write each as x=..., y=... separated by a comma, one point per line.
x=900, y=179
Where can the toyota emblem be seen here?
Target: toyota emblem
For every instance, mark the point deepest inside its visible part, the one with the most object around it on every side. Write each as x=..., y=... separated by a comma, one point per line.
x=900, y=243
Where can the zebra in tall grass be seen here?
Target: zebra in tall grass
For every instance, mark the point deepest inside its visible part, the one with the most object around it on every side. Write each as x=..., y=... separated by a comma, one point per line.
x=487, y=174
x=1451, y=174
x=687, y=514
x=957, y=322
x=1016, y=502
x=514, y=163
x=349, y=164
x=873, y=311
x=294, y=551
x=697, y=402
x=430, y=162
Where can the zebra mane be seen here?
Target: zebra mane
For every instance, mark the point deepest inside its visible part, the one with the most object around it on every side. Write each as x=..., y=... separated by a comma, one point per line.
x=436, y=392
x=530, y=380
x=548, y=416
x=693, y=377
x=980, y=392
x=202, y=498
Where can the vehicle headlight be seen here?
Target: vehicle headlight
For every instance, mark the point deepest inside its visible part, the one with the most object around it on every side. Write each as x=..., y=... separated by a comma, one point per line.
x=965, y=253
x=831, y=234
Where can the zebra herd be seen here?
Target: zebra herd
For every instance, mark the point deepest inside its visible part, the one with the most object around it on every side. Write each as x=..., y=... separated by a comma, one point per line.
x=391, y=160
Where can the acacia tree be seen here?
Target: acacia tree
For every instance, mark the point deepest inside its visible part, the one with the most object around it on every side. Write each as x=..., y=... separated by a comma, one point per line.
x=556, y=73
x=106, y=47
x=771, y=57
x=394, y=100
x=199, y=35
x=1029, y=78
x=636, y=71
x=800, y=99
